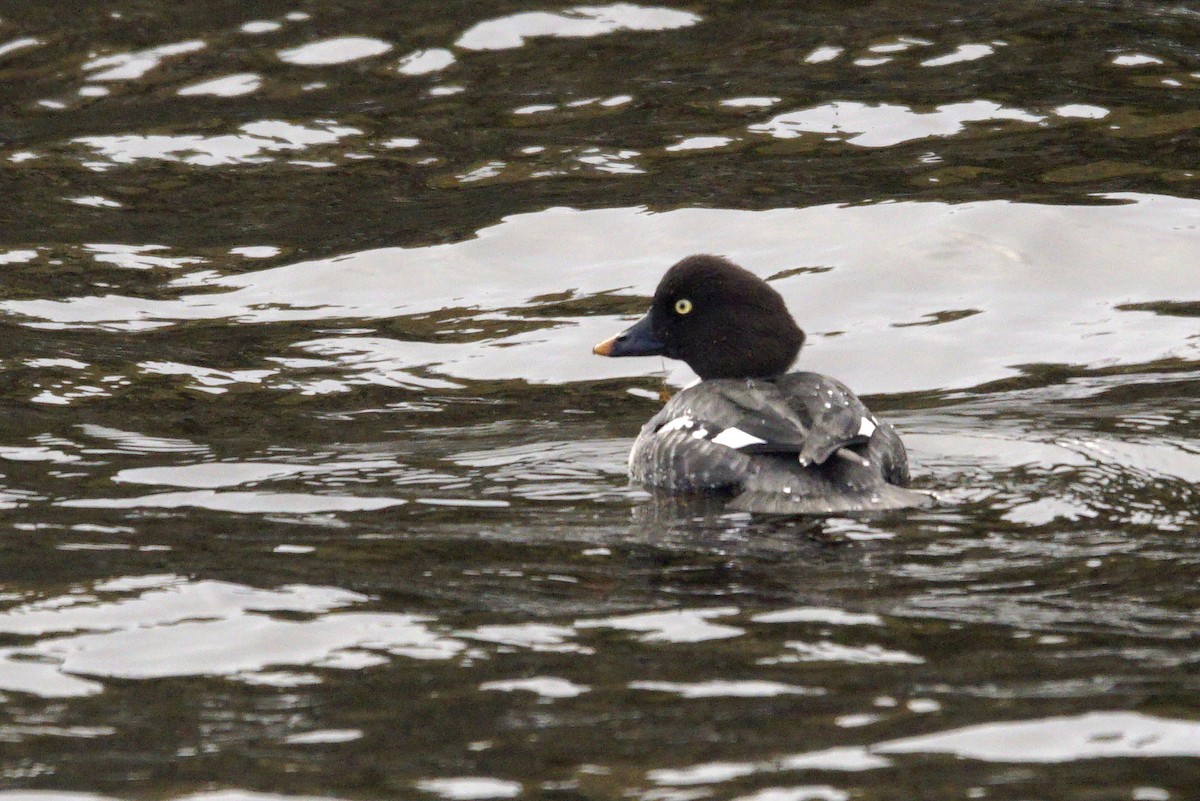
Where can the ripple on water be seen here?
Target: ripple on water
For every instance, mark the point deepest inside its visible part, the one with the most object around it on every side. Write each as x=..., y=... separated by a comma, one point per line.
x=885, y=125
x=204, y=628
x=253, y=144
x=339, y=50
x=470, y=788
x=1059, y=739
x=132, y=66
x=216, y=795
x=308, y=508
x=242, y=83
x=581, y=21
x=1032, y=280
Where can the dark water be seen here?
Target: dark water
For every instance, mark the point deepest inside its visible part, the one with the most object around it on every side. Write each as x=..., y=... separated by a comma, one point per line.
x=311, y=486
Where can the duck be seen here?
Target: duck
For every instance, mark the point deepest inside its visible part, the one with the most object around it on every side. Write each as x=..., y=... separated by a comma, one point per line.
x=773, y=441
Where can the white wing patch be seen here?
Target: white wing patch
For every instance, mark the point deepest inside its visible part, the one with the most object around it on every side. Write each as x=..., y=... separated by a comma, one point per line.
x=736, y=438
x=730, y=438
x=676, y=424
x=867, y=427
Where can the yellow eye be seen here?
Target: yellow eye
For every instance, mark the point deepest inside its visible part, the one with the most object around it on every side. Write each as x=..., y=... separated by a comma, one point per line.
x=683, y=306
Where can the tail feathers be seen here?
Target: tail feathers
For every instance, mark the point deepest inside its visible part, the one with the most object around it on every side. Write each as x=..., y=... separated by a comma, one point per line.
x=883, y=498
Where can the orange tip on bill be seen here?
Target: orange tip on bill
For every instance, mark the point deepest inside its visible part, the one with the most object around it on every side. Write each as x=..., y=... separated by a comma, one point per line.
x=605, y=347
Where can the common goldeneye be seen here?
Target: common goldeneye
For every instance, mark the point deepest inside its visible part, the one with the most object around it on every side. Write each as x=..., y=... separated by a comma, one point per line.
x=779, y=442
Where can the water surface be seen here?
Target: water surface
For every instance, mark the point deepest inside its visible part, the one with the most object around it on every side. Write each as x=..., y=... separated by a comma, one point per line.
x=312, y=487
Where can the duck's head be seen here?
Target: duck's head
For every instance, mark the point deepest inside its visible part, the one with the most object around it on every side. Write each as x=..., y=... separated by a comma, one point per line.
x=725, y=322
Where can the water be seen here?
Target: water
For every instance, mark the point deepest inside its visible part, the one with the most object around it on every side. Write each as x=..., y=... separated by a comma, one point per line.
x=312, y=487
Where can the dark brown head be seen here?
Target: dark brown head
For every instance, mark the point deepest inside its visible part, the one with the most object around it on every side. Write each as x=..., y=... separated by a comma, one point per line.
x=725, y=322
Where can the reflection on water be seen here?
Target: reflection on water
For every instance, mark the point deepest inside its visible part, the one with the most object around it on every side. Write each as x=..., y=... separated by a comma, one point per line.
x=1061, y=739
x=334, y=51
x=1033, y=294
x=886, y=125
x=246, y=147
x=312, y=488
x=582, y=21
x=228, y=86
x=131, y=66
